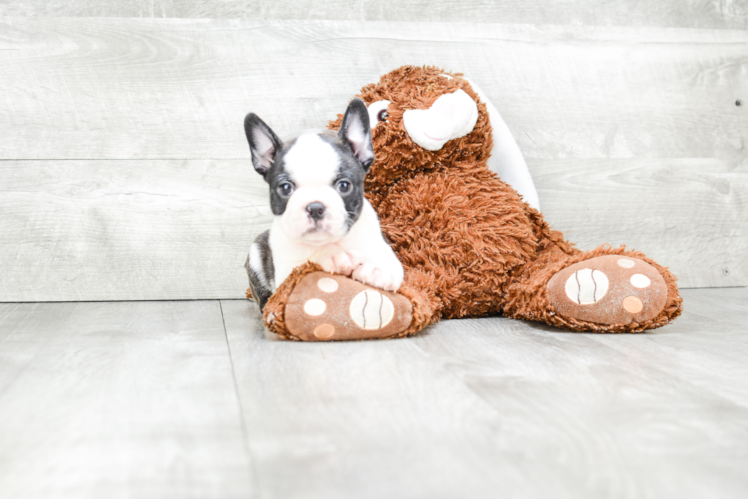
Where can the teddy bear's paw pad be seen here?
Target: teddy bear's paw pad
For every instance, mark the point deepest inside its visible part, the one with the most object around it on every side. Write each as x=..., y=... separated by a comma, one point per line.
x=371, y=310
x=326, y=306
x=608, y=290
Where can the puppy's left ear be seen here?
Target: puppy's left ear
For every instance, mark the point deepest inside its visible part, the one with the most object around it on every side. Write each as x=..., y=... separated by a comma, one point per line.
x=356, y=131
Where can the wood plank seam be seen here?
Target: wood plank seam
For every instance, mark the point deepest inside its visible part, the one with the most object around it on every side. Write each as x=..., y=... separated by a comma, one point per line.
x=245, y=431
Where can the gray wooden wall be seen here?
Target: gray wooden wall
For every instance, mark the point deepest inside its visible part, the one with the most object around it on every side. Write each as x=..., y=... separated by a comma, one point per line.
x=125, y=175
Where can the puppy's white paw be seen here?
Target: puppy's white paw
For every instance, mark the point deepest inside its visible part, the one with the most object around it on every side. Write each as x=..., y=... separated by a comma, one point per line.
x=377, y=277
x=341, y=263
x=356, y=258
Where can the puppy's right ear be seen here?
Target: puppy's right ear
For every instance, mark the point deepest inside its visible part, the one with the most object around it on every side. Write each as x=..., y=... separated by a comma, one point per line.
x=263, y=143
x=355, y=130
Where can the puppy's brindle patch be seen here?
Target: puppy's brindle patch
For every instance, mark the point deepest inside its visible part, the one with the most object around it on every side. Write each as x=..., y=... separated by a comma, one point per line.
x=260, y=269
x=350, y=169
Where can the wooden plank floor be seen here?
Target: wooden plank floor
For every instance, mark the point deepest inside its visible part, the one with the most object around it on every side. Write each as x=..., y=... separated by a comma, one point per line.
x=131, y=399
x=191, y=399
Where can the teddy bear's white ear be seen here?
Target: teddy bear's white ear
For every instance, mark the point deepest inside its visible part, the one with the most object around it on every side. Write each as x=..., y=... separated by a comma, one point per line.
x=356, y=131
x=263, y=143
x=506, y=158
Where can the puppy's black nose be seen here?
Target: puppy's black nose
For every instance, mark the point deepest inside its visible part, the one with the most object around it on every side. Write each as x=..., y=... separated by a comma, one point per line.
x=316, y=210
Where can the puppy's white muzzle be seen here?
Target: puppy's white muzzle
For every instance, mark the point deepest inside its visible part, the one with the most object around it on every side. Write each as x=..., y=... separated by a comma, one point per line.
x=450, y=117
x=300, y=225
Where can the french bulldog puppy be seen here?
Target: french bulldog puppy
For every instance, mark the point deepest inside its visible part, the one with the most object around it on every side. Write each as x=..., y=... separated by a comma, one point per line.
x=316, y=184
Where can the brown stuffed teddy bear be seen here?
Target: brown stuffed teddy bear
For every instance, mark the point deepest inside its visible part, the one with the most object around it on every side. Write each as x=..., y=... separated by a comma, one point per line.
x=469, y=243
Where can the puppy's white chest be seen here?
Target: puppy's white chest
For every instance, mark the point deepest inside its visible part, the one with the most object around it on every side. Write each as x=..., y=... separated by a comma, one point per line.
x=289, y=253
x=362, y=253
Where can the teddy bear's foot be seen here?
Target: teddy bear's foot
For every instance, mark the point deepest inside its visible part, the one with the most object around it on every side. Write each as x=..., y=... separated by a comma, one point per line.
x=609, y=290
x=325, y=306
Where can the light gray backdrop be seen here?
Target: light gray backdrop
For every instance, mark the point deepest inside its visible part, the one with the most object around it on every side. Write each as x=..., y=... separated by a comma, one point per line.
x=125, y=174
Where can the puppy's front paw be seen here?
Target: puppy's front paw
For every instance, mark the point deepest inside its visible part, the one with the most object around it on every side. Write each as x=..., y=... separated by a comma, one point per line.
x=377, y=277
x=341, y=262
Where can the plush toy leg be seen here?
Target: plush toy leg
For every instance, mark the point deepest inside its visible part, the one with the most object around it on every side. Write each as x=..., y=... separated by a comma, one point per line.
x=605, y=290
x=314, y=305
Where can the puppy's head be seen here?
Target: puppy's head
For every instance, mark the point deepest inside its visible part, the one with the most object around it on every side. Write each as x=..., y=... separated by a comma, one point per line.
x=316, y=180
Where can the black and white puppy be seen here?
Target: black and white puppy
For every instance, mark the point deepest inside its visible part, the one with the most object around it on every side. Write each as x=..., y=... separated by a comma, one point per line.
x=316, y=186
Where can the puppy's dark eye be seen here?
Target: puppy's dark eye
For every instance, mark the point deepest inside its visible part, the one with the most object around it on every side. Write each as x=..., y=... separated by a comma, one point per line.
x=344, y=187
x=285, y=189
x=382, y=115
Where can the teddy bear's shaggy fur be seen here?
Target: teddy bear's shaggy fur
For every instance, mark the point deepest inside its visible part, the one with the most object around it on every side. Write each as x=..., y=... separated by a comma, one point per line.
x=470, y=245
